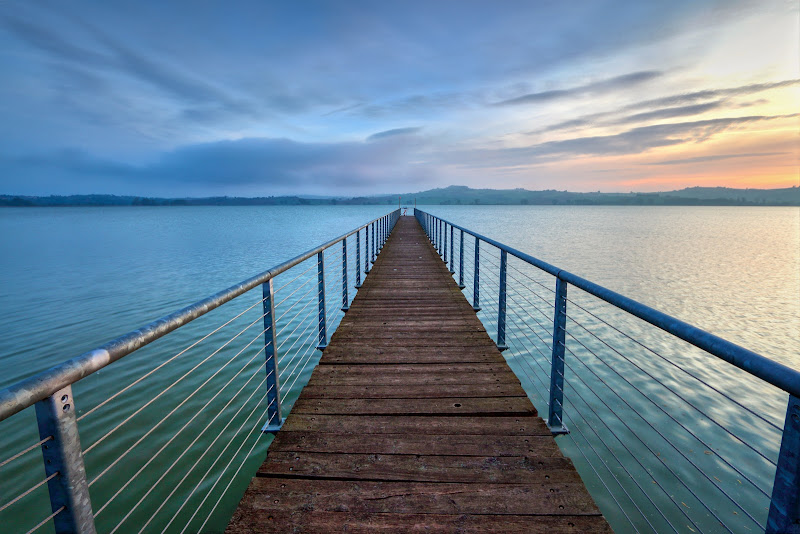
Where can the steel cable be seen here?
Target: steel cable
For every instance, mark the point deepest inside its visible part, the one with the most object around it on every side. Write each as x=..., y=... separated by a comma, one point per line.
x=671, y=390
x=706, y=445
x=621, y=442
x=46, y=519
x=184, y=401
x=657, y=456
x=231, y=419
x=197, y=508
x=176, y=434
x=667, y=360
x=120, y=392
x=29, y=449
x=28, y=491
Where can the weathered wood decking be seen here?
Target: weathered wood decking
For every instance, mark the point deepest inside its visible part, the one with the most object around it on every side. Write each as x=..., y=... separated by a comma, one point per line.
x=414, y=422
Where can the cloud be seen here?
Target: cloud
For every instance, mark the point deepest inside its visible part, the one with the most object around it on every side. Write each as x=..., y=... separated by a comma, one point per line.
x=669, y=113
x=715, y=157
x=634, y=141
x=120, y=59
x=603, y=86
x=684, y=104
x=52, y=44
x=393, y=133
x=253, y=166
x=692, y=97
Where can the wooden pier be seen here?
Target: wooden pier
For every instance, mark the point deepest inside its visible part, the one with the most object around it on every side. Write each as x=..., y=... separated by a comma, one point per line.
x=413, y=421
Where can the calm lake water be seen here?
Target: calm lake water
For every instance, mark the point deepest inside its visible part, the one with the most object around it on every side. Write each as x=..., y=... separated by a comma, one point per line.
x=73, y=278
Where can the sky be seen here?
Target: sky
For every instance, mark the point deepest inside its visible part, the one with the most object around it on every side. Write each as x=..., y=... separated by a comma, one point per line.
x=258, y=98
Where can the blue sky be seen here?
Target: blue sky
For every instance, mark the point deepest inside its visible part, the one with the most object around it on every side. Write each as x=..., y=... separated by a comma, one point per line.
x=260, y=98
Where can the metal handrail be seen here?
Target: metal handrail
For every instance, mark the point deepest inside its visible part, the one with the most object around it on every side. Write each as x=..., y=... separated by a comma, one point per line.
x=770, y=371
x=40, y=386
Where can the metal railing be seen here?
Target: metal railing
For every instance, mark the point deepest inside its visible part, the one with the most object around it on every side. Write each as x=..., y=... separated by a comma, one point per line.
x=176, y=429
x=642, y=401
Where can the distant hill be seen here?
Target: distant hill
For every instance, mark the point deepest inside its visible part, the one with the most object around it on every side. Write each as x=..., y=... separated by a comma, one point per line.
x=694, y=196
x=453, y=195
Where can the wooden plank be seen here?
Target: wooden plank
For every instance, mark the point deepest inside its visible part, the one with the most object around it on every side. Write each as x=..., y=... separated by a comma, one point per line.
x=354, y=379
x=252, y=518
x=434, y=425
x=410, y=406
x=406, y=370
x=366, y=354
x=420, y=468
x=443, y=444
x=412, y=392
x=415, y=497
x=412, y=342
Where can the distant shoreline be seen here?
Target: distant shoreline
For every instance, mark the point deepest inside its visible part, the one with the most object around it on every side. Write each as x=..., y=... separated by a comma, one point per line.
x=449, y=196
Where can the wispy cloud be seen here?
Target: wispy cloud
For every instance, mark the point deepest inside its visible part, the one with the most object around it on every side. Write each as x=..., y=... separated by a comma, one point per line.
x=715, y=157
x=694, y=96
x=680, y=105
x=114, y=58
x=633, y=141
x=669, y=113
x=392, y=133
x=617, y=83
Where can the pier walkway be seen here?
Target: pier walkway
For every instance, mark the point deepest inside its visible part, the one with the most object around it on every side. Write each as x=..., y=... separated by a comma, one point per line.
x=414, y=422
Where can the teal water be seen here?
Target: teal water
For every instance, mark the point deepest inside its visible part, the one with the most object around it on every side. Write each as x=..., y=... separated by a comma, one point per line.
x=72, y=278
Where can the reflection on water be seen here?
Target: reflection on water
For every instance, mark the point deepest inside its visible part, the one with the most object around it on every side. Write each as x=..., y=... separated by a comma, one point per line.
x=74, y=278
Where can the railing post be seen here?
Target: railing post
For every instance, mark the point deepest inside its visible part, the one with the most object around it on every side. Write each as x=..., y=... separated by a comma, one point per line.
x=323, y=327
x=428, y=226
x=439, y=237
x=275, y=418
x=366, y=249
x=345, y=297
x=784, y=508
x=476, y=301
x=461, y=262
x=69, y=491
x=452, y=250
x=445, y=243
x=501, y=304
x=374, y=241
x=358, y=259
x=555, y=419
